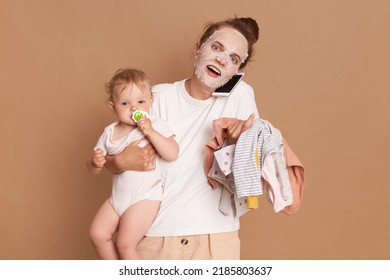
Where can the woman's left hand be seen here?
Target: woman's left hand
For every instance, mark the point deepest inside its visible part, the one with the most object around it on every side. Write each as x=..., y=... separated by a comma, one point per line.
x=236, y=128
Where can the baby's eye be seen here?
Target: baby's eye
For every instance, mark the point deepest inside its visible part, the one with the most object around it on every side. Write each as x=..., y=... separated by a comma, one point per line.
x=141, y=101
x=124, y=103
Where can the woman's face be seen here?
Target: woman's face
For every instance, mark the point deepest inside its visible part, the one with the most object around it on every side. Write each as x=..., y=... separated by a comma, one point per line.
x=220, y=57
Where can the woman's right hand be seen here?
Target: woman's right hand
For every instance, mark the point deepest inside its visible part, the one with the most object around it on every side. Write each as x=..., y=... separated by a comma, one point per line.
x=133, y=158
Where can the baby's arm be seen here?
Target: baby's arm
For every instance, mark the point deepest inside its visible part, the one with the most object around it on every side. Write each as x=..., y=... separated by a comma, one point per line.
x=95, y=162
x=166, y=147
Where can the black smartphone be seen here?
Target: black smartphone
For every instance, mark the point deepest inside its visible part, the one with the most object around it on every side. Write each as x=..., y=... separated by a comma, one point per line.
x=227, y=88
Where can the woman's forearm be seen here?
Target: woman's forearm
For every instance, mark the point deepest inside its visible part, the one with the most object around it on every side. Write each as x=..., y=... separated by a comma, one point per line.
x=132, y=158
x=113, y=164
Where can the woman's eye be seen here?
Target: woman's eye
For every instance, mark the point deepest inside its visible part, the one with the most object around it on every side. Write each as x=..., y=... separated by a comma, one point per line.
x=234, y=59
x=215, y=48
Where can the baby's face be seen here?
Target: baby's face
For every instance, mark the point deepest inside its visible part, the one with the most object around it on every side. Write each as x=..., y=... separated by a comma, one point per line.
x=130, y=99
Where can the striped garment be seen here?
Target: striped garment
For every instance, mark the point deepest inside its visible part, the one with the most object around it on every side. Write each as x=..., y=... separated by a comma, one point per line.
x=246, y=173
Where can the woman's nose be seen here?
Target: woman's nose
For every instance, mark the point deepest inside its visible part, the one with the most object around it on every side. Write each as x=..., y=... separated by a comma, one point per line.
x=222, y=58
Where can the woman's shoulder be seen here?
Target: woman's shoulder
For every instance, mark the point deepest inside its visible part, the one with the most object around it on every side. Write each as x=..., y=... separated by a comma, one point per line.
x=166, y=87
x=161, y=87
x=243, y=86
x=241, y=90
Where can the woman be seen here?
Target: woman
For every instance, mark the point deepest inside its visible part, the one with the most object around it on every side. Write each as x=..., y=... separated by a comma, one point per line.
x=189, y=224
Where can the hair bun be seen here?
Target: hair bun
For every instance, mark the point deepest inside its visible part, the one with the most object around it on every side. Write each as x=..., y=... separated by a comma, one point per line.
x=251, y=25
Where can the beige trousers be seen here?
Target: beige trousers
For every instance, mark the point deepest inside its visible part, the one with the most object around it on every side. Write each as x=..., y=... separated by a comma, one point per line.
x=218, y=246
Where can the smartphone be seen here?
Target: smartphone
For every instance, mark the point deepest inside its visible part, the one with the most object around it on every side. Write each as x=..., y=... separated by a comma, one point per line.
x=227, y=88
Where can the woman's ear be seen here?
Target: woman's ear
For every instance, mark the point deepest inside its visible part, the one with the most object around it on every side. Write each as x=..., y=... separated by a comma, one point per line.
x=196, y=49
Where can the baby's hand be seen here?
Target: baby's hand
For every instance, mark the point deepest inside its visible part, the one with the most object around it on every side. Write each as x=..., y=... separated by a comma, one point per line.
x=138, y=114
x=98, y=159
x=145, y=125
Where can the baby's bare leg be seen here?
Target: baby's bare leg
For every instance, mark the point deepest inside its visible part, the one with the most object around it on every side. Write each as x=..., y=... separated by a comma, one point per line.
x=102, y=228
x=133, y=226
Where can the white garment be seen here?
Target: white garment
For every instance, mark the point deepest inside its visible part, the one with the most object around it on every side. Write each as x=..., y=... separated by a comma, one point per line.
x=221, y=171
x=281, y=168
x=129, y=187
x=190, y=206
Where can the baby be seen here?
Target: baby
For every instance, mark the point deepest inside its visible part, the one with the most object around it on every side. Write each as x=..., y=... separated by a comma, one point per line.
x=136, y=195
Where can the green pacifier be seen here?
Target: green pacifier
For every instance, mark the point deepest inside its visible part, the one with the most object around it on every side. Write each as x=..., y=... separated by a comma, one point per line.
x=138, y=114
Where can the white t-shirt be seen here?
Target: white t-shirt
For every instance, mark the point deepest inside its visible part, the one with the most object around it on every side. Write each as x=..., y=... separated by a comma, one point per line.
x=190, y=206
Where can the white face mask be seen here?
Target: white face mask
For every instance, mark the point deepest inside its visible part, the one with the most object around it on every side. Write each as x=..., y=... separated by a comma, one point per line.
x=219, y=58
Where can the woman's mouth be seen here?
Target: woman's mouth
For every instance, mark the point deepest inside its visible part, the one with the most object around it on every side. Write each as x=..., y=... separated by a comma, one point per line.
x=214, y=70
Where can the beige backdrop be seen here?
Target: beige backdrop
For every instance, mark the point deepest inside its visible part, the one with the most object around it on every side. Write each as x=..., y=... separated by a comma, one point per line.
x=320, y=74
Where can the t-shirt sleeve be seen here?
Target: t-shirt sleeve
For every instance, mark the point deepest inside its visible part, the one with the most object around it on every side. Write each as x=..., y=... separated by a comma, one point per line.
x=247, y=103
x=101, y=143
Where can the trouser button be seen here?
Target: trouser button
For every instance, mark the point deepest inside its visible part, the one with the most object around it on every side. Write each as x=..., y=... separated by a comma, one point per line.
x=184, y=241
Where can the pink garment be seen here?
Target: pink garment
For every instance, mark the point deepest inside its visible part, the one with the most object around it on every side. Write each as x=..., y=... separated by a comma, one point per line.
x=271, y=184
x=296, y=174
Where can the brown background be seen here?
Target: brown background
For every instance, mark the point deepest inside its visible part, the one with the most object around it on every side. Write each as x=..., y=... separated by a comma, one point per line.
x=320, y=74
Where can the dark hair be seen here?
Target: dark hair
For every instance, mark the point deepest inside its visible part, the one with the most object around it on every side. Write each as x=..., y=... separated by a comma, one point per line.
x=246, y=26
x=125, y=76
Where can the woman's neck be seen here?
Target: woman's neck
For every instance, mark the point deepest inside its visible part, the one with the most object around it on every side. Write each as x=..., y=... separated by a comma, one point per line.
x=197, y=90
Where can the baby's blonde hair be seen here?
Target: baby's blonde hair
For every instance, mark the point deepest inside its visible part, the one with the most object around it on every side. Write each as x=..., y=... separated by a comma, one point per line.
x=124, y=77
